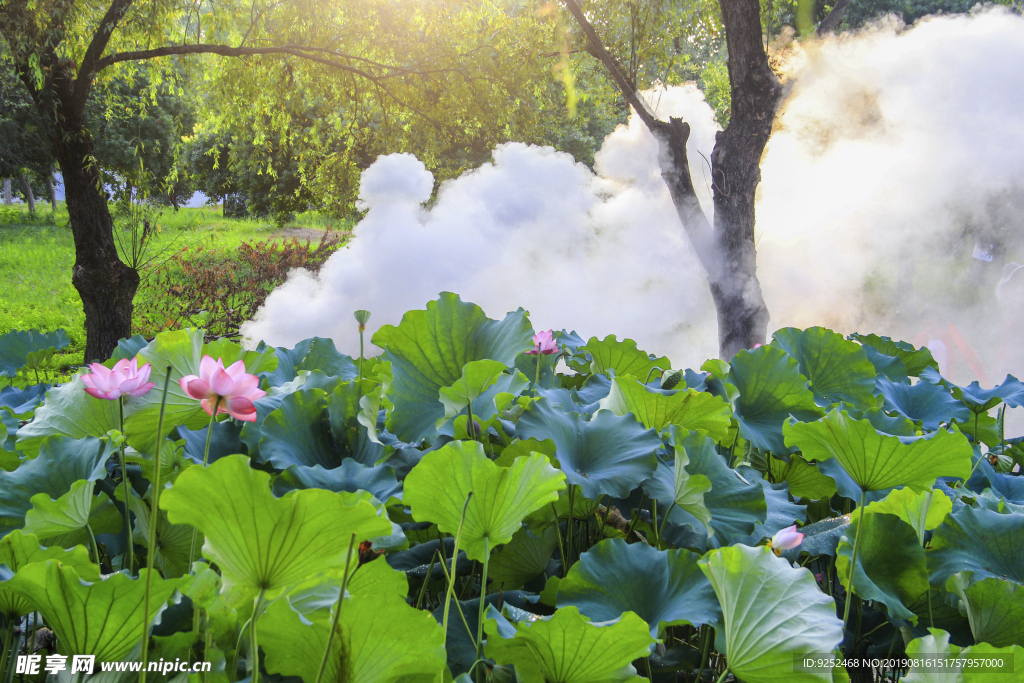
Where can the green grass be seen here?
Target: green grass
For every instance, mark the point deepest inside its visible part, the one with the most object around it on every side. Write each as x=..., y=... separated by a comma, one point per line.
x=37, y=254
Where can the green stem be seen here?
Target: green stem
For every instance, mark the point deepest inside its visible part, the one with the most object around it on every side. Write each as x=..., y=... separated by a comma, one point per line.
x=151, y=549
x=480, y=612
x=651, y=372
x=561, y=546
x=536, y=377
x=129, y=548
x=254, y=649
x=426, y=580
x=360, y=355
x=569, y=522
x=725, y=672
x=95, y=548
x=639, y=508
x=8, y=635
x=470, y=427
x=853, y=563
x=451, y=577
x=207, y=643
x=337, y=611
x=665, y=521
x=704, y=650
x=654, y=513
x=206, y=459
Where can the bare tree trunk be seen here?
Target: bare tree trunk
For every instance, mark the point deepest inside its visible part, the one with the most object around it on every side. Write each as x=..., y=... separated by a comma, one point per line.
x=727, y=251
x=52, y=190
x=832, y=19
x=8, y=196
x=30, y=199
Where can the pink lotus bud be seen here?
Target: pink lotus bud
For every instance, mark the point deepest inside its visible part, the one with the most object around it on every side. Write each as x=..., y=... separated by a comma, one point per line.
x=231, y=389
x=787, y=538
x=126, y=378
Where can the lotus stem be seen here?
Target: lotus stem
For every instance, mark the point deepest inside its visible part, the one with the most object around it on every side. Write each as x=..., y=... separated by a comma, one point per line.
x=480, y=612
x=651, y=372
x=536, y=377
x=95, y=548
x=129, y=548
x=206, y=459
x=254, y=648
x=151, y=549
x=8, y=635
x=451, y=577
x=853, y=563
x=667, y=512
x=704, y=649
x=426, y=579
x=725, y=672
x=561, y=546
x=337, y=611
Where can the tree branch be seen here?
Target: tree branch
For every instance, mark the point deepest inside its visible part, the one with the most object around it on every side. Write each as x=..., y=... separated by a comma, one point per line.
x=100, y=39
x=832, y=19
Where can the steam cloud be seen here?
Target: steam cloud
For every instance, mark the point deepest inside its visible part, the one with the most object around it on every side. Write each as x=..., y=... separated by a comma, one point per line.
x=891, y=143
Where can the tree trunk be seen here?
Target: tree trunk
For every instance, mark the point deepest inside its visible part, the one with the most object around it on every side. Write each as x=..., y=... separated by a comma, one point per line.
x=52, y=190
x=8, y=197
x=30, y=198
x=106, y=285
x=727, y=252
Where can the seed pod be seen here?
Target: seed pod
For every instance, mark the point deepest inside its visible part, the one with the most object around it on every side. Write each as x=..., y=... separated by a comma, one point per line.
x=671, y=378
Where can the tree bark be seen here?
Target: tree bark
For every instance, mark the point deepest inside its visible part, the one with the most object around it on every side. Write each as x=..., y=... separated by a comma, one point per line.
x=8, y=197
x=30, y=198
x=832, y=19
x=727, y=251
x=52, y=190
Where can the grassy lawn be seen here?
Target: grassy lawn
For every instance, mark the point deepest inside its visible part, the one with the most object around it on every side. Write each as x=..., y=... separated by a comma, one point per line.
x=37, y=254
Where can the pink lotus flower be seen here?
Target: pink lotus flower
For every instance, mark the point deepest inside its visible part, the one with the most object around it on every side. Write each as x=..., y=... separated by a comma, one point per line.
x=232, y=390
x=126, y=378
x=544, y=344
x=787, y=538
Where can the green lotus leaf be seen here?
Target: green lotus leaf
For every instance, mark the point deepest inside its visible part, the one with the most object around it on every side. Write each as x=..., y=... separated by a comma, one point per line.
x=737, y=505
x=985, y=542
x=675, y=488
x=261, y=542
x=935, y=643
x=663, y=587
x=309, y=355
x=771, y=613
x=380, y=639
x=102, y=618
x=369, y=411
x=923, y=510
x=372, y=578
x=350, y=476
x=502, y=496
x=173, y=541
x=838, y=370
x=890, y=563
x=621, y=356
x=804, y=479
x=428, y=350
x=18, y=346
x=606, y=455
x=569, y=649
x=68, y=411
x=260, y=361
x=67, y=520
x=995, y=608
x=61, y=462
x=524, y=447
x=524, y=558
x=18, y=550
x=771, y=389
x=477, y=377
x=877, y=461
x=688, y=409
x=914, y=360
x=923, y=402
x=1013, y=654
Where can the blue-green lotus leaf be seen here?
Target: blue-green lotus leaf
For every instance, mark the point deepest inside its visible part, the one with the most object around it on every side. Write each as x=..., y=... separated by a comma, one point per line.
x=1010, y=392
x=253, y=431
x=838, y=370
x=428, y=350
x=985, y=542
x=129, y=348
x=61, y=462
x=995, y=608
x=890, y=563
x=350, y=476
x=877, y=461
x=782, y=512
x=224, y=440
x=16, y=346
x=771, y=389
x=484, y=405
x=663, y=587
x=914, y=360
x=1007, y=486
x=459, y=645
x=68, y=411
x=608, y=455
x=924, y=402
x=312, y=354
x=887, y=366
x=524, y=558
x=415, y=561
x=821, y=537
x=22, y=401
x=621, y=357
